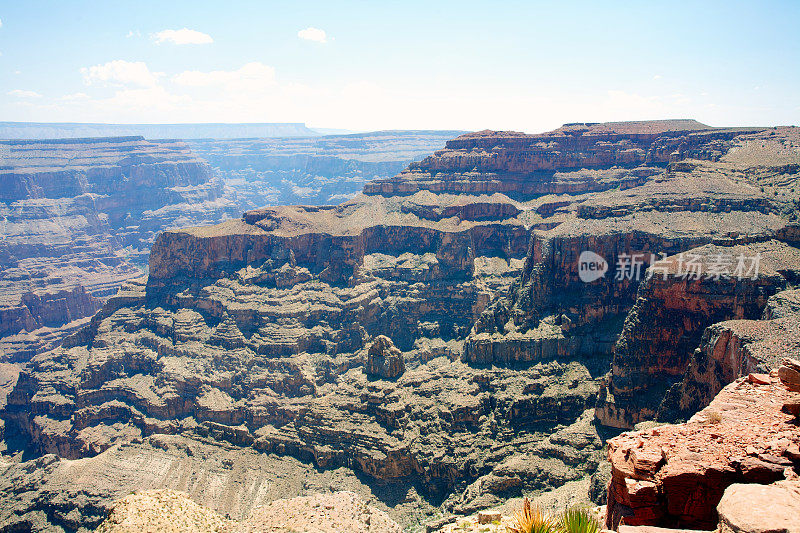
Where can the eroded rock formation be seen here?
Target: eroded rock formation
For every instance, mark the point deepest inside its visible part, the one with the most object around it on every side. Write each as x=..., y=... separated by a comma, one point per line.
x=254, y=333
x=79, y=217
x=673, y=309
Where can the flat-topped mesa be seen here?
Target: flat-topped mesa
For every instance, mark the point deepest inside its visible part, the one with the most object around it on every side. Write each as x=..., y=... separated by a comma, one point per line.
x=333, y=240
x=551, y=163
x=61, y=168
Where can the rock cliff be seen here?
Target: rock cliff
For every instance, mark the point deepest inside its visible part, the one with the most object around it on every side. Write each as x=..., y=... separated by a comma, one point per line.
x=259, y=334
x=81, y=214
x=667, y=323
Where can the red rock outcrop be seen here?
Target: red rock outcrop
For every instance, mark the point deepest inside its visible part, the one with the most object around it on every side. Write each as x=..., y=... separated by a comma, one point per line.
x=675, y=475
x=735, y=348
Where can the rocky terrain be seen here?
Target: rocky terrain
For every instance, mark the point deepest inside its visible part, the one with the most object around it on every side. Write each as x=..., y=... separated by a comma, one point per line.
x=676, y=475
x=79, y=216
x=313, y=170
x=438, y=334
x=167, y=511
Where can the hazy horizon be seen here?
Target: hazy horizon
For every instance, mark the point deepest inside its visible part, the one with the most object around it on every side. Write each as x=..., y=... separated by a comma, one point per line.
x=365, y=66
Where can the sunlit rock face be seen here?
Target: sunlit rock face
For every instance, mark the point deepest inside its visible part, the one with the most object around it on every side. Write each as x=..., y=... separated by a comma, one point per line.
x=256, y=333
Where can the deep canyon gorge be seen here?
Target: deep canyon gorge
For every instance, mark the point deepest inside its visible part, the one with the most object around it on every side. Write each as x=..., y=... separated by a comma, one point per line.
x=417, y=330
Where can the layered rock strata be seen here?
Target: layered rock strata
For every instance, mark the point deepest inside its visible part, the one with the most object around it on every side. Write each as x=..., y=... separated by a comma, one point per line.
x=313, y=170
x=255, y=333
x=735, y=348
x=79, y=217
x=684, y=295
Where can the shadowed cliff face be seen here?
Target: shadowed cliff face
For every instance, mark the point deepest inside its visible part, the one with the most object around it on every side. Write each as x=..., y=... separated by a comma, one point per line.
x=257, y=332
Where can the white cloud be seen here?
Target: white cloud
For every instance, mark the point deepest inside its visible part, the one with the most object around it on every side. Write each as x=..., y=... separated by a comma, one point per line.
x=182, y=36
x=657, y=77
x=132, y=33
x=1, y=23
x=120, y=72
x=252, y=77
x=21, y=93
x=75, y=96
x=313, y=34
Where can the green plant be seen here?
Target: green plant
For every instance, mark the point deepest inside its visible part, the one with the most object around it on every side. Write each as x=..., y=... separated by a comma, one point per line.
x=531, y=519
x=578, y=519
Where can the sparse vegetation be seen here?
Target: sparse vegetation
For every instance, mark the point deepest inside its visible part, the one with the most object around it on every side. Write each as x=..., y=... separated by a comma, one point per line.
x=714, y=417
x=576, y=519
x=531, y=519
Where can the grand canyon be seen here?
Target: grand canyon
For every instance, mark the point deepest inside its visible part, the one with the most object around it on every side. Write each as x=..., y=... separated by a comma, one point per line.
x=403, y=330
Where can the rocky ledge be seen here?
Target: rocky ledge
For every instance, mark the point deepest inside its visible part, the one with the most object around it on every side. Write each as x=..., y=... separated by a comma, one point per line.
x=675, y=475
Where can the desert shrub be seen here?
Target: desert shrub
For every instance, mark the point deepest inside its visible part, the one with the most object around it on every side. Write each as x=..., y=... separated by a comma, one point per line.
x=531, y=519
x=578, y=519
x=714, y=417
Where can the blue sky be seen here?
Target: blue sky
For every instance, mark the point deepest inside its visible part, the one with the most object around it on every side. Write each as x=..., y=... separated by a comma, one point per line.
x=527, y=66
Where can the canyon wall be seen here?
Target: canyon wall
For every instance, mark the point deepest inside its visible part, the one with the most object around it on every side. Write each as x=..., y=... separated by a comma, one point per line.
x=313, y=170
x=79, y=217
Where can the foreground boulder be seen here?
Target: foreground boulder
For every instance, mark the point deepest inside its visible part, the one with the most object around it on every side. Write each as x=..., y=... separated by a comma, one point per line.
x=749, y=508
x=675, y=475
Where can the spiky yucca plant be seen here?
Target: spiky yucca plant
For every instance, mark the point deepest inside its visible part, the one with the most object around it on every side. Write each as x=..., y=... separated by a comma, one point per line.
x=531, y=519
x=578, y=519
